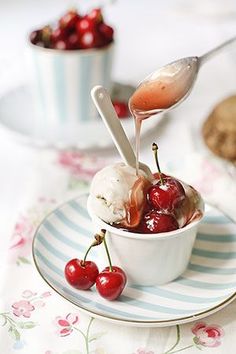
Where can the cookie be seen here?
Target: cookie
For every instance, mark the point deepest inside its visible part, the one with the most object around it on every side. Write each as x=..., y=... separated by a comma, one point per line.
x=219, y=129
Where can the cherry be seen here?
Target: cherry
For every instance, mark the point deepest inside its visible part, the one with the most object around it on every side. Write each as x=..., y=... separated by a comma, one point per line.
x=81, y=274
x=96, y=15
x=35, y=36
x=61, y=44
x=84, y=25
x=155, y=222
x=90, y=39
x=111, y=281
x=167, y=193
x=69, y=20
x=166, y=196
x=58, y=34
x=110, y=284
x=73, y=41
x=107, y=31
x=121, y=109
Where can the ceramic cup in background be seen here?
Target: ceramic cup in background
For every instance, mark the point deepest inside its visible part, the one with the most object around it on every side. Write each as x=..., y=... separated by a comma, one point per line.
x=149, y=259
x=61, y=81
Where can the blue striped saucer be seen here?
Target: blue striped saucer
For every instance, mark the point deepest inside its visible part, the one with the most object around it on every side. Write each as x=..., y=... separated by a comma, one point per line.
x=207, y=286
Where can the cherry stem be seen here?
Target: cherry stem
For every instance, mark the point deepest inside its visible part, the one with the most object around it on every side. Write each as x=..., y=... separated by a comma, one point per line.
x=155, y=149
x=108, y=255
x=85, y=256
x=99, y=237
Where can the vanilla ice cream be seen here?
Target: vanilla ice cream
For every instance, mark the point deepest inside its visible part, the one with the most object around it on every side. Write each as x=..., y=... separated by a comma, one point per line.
x=110, y=191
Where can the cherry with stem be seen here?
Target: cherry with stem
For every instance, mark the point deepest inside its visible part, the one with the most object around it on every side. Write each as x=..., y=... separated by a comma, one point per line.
x=167, y=193
x=112, y=280
x=155, y=149
x=82, y=274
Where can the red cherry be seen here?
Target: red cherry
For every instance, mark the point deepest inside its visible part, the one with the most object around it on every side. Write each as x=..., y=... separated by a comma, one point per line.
x=84, y=25
x=69, y=20
x=81, y=275
x=167, y=196
x=58, y=34
x=96, y=15
x=35, y=36
x=106, y=31
x=61, y=44
x=110, y=284
x=90, y=39
x=73, y=41
x=121, y=108
x=154, y=222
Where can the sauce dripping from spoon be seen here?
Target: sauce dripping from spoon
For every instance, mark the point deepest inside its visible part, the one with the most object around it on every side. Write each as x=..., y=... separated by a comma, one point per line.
x=160, y=91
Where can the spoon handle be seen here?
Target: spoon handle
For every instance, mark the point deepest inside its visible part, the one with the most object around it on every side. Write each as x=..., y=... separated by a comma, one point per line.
x=102, y=101
x=215, y=50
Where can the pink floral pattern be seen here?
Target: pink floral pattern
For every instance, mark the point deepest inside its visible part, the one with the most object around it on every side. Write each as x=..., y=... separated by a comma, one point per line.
x=65, y=324
x=25, y=307
x=207, y=335
x=143, y=351
x=80, y=165
x=203, y=185
x=22, y=308
x=21, y=241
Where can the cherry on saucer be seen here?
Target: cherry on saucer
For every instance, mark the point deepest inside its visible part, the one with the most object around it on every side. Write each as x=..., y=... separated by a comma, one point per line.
x=81, y=274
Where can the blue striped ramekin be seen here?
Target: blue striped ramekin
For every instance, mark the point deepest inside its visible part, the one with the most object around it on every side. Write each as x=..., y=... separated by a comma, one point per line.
x=61, y=84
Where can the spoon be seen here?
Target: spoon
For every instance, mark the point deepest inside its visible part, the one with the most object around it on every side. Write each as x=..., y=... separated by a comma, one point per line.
x=102, y=101
x=170, y=85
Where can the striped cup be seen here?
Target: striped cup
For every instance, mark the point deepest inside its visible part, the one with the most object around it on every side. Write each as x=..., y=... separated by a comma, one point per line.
x=61, y=84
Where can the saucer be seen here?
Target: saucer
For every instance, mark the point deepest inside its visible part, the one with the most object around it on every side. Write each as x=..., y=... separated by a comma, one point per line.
x=16, y=118
x=208, y=284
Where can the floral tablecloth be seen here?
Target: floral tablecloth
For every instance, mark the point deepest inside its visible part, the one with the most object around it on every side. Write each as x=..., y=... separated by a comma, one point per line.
x=34, y=319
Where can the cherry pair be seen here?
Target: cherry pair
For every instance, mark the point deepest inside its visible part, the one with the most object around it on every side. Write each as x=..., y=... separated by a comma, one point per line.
x=83, y=274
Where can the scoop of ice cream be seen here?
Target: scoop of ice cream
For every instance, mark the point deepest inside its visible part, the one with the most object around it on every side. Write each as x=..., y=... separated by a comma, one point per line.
x=111, y=189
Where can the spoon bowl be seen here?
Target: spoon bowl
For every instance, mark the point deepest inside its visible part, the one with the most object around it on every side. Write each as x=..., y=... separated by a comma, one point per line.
x=165, y=88
x=170, y=85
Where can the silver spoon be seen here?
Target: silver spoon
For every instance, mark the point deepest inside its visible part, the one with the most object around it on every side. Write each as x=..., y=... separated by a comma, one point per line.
x=173, y=83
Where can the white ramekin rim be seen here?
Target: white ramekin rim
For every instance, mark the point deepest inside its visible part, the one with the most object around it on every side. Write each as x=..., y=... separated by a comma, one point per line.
x=134, y=235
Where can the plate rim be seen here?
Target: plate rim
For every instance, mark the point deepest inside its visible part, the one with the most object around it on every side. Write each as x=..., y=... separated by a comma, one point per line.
x=134, y=323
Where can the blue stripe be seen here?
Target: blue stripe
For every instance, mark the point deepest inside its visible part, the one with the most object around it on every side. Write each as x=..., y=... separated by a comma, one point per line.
x=38, y=82
x=213, y=254
x=51, y=249
x=85, y=64
x=123, y=298
x=175, y=296
x=60, y=86
x=49, y=264
x=204, y=285
x=211, y=270
x=75, y=227
x=157, y=308
x=216, y=238
x=77, y=207
x=217, y=219
x=106, y=69
x=59, y=236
